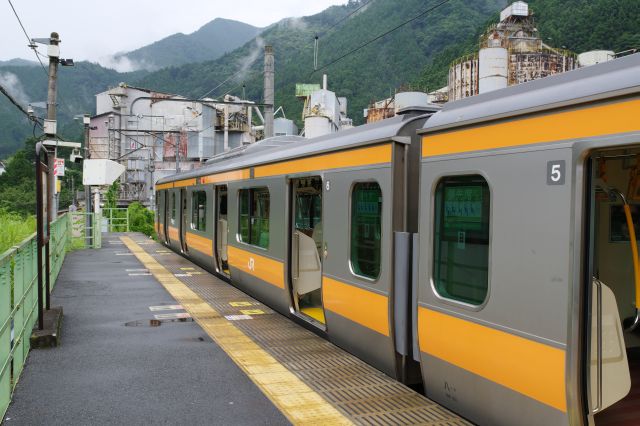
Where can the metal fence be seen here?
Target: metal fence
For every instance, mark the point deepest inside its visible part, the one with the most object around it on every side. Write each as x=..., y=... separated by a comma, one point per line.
x=19, y=297
x=115, y=219
x=85, y=230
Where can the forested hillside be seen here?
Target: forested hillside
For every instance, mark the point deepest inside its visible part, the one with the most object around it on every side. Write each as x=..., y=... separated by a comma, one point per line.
x=371, y=73
x=578, y=25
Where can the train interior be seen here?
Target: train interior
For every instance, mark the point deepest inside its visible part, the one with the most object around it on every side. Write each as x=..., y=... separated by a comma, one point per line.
x=306, y=248
x=614, y=371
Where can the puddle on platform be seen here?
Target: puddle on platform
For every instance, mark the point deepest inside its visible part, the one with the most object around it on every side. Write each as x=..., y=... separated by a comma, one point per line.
x=154, y=322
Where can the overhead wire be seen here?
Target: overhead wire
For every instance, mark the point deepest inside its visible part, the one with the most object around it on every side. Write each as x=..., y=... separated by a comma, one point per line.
x=29, y=40
x=335, y=24
x=344, y=18
x=378, y=37
x=20, y=107
x=33, y=47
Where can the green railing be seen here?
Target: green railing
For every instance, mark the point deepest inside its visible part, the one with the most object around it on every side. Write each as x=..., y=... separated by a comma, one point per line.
x=19, y=300
x=116, y=219
x=85, y=230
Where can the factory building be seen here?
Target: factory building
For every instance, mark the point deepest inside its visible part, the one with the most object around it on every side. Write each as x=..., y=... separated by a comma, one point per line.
x=511, y=52
x=156, y=134
x=390, y=107
x=323, y=111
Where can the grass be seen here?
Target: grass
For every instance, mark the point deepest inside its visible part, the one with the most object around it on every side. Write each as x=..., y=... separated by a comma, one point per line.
x=14, y=229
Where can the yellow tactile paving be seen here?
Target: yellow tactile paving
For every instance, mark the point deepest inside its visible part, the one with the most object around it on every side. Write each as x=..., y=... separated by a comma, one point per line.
x=297, y=401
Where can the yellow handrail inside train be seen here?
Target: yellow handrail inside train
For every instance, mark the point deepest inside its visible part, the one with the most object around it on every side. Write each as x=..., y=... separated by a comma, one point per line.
x=634, y=252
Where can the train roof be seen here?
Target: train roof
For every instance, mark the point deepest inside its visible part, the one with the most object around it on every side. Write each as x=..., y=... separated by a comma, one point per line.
x=614, y=78
x=281, y=148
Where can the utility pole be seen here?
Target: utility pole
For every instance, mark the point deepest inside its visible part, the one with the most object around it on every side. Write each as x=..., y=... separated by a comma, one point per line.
x=89, y=231
x=53, y=50
x=269, y=71
x=177, y=148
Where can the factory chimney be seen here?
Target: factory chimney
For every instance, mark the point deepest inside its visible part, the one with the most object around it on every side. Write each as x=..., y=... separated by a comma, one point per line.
x=268, y=91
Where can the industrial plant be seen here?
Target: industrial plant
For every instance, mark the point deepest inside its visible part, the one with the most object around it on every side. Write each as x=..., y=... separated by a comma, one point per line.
x=155, y=134
x=510, y=52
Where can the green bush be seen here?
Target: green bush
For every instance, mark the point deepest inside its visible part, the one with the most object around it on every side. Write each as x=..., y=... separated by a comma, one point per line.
x=141, y=219
x=15, y=228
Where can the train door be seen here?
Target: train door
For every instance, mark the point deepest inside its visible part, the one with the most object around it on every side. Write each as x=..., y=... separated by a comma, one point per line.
x=169, y=216
x=184, y=217
x=612, y=323
x=159, y=216
x=305, y=260
x=221, y=230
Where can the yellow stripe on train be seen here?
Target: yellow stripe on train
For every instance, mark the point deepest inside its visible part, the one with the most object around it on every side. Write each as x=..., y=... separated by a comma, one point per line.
x=380, y=154
x=268, y=270
x=613, y=118
x=202, y=244
x=364, y=307
x=531, y=368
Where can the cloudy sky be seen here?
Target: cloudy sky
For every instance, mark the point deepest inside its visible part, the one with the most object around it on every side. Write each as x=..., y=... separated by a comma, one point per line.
x=92, y=30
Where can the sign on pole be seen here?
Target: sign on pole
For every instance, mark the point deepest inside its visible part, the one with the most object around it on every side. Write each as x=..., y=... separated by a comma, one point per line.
x=58, y=167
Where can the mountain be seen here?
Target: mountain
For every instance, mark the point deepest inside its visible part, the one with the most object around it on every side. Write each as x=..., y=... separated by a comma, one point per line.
x=18, y=62
x=208, y=43
x=77, y=86
x=370, y=73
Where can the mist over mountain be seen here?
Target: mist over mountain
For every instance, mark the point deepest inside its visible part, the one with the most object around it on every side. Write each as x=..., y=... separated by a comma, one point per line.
x=211, y=41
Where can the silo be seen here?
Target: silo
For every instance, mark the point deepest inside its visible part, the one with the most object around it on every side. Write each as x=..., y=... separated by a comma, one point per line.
x=315, y=126
x=410, y=99
x=595, y=57
x=492, y=69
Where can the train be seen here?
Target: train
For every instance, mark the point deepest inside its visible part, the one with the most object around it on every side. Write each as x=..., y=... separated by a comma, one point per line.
x=485, y=249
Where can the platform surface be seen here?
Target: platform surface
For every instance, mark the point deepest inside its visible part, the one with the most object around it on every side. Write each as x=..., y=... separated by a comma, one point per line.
x=149, y=337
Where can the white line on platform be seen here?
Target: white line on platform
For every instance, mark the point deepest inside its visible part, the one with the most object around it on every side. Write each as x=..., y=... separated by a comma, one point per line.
x=178, y=315
x=124, y=254
x=165, y=308
x=137, y=270
x=140, y=274
x=238, y=317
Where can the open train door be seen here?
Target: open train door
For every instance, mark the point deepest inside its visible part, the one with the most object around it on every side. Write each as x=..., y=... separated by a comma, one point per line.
x=170, y=215
x=611, y=319
x=305, y=260
x=184, y=218
x=221, y=230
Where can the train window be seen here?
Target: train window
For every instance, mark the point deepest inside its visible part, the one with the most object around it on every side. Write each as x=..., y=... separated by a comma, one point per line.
x=254, y=216
x=366, y=229
x=173, y=208
x=199, y=210
x=461, y=239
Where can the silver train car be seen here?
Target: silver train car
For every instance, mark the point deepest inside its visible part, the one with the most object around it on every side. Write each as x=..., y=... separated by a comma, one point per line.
x=487, y=250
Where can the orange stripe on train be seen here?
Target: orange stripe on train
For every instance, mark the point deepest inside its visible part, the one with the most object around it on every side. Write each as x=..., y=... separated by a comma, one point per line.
x=268, y=270
x=362, y=306
x=379, y=154
x=619, y=117
x=525, y=366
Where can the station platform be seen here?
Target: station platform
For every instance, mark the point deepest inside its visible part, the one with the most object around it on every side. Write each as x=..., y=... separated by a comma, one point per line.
x=149, y=337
